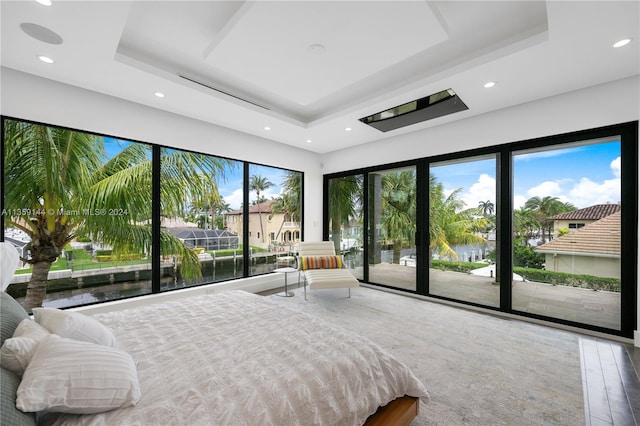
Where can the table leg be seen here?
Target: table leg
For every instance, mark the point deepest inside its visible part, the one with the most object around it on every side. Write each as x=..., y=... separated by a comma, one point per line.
x=285, y=293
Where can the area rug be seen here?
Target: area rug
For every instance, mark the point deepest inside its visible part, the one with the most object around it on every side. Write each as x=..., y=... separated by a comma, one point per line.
x=479, y=369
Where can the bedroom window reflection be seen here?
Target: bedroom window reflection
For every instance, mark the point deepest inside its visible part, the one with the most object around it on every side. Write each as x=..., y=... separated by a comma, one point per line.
x=77, y=208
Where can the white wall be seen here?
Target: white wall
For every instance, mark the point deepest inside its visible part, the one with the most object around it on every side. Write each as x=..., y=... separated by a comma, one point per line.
x=611, y=103
x=33, y=98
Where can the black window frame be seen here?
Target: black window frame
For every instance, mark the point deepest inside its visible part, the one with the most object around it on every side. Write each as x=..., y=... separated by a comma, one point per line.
x=628, y=134
x=156, y=212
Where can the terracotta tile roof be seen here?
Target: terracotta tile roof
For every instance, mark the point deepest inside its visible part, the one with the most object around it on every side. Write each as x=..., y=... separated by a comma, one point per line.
x=598, y=238
x=596, y=212
x=264, y=208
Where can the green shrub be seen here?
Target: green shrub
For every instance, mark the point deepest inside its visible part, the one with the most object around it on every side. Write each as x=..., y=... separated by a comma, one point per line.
x=103, y=252
x=571, y=280
x=538, y=275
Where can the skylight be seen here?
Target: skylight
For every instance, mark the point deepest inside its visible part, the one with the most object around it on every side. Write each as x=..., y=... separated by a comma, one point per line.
x=432, y=106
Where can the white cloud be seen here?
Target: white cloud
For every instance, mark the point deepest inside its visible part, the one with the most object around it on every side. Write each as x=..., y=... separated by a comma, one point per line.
x=616, y=167
x=587, y=192
x=546, y=189
x=484, y=189
x=234, y=199
x=581, y=194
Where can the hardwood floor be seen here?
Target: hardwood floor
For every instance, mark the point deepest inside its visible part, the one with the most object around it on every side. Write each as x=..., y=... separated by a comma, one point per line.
x=611, y=385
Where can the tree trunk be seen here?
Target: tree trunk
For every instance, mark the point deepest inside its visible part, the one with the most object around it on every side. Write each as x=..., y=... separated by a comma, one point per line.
x=37, y=287
x=336, y=233
x=261, y=228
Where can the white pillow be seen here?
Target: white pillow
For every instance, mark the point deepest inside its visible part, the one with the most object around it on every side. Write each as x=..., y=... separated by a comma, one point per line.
x=16, y=352
x=74, y=325
x=9, y=260
x=71, y=376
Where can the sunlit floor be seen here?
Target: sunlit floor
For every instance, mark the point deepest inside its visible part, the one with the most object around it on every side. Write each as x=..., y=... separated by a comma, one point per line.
x=599, y=308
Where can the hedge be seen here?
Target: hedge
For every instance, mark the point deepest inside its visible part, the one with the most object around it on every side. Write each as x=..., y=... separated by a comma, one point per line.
x=539, y=275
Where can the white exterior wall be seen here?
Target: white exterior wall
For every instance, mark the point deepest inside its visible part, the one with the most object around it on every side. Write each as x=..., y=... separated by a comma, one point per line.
x=587, y=265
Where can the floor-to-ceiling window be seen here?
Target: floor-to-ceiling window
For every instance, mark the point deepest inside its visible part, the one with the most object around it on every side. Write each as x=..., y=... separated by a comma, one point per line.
x=99, y=218
x=543, y=228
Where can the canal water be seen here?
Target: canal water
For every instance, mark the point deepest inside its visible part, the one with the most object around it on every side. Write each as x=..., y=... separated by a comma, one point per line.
x=122, y=285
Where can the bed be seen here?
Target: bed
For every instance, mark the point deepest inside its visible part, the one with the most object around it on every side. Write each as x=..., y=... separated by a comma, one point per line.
x=231, y=358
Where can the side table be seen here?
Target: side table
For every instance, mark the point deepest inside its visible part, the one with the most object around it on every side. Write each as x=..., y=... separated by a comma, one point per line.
x=285, y=271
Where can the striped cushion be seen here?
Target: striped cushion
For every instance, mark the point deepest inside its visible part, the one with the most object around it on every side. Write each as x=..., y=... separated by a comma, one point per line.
x=320, y=262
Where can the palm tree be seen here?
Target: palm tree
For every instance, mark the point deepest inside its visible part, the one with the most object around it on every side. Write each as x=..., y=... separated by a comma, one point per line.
x=398, y=205
x=66, y=183
x=449, y=222
x=258, y=183
x=221, y=218
x=545, y=207
x=289, y=204
x=525, y=223
x=486, y=208
x=344, y=196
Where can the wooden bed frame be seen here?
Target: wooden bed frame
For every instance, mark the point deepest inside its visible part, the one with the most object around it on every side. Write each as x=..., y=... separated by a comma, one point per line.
x=399, y=412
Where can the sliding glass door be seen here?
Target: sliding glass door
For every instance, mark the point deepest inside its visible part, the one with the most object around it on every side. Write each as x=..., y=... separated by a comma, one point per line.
x=344, y=206
x=567, y=232
x=392, y=255
x=462, y=230
x=544, y=228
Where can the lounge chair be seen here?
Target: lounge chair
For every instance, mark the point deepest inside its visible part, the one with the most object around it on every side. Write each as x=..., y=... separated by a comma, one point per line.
x=322, y=268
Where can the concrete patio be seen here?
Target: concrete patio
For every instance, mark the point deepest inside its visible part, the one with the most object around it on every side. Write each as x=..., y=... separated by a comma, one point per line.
x=599, y=308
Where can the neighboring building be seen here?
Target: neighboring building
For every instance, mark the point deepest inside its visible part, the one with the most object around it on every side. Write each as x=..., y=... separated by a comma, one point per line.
x=579, y=218
x=593, y=249
x=277, y=228
x=209, y=239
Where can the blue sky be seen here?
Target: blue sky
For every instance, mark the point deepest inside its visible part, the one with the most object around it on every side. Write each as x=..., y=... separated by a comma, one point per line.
x=582, y=175
x=231, y=189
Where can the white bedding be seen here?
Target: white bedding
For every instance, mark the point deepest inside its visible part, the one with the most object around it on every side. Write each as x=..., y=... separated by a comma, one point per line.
x=235, y=358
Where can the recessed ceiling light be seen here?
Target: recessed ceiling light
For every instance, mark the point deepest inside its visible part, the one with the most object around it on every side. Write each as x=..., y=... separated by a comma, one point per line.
x=159, y=94
x=45, y=59
x=309, y=141
x=267, y=128
x=44, y=2
x=489, y=84
x=622, y=42
x=347, y=129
